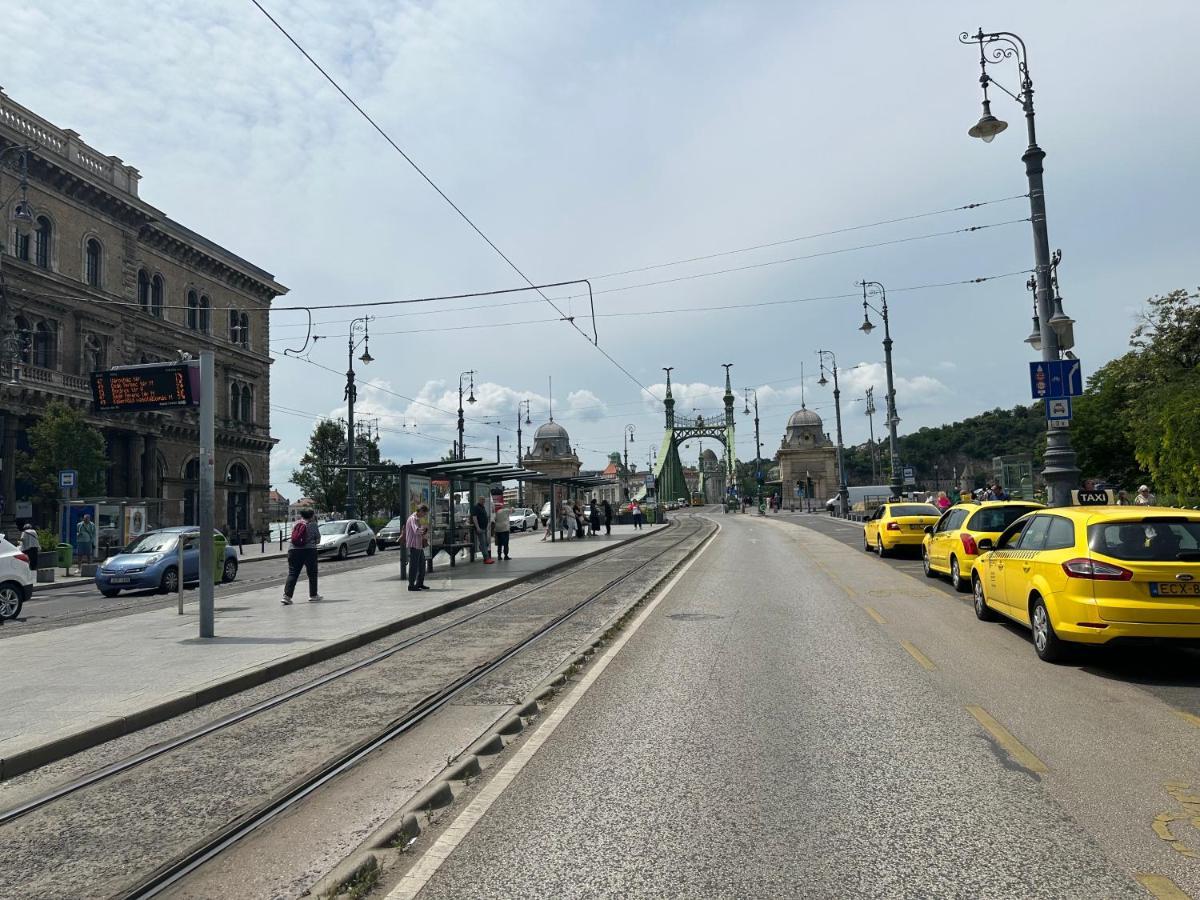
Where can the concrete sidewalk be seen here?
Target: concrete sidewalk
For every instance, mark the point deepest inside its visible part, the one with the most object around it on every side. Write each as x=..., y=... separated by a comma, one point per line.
x=72, y=688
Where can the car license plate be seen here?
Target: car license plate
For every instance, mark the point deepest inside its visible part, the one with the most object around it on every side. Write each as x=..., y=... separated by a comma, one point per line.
x=1175, y=589
x=121, y=579
x=916, y=527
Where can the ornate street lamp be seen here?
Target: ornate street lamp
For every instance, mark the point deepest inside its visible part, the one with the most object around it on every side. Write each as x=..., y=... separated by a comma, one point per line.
x=758, y=473
x=628, y=440
x=520, y=462
x=352, y=343
x=1059, y=472
x=843, y=489
x=470, y=399
x=896, y=482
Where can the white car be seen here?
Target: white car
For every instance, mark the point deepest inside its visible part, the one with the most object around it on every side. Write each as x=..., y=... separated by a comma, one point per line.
x=522, y=518
x=346, y=536
x=16, y=581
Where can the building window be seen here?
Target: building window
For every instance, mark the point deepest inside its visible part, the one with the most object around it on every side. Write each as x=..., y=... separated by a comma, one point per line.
x=247, y=404
x=21, y=246
x=205, y=316
x=237, y=517
x=235, y=327
x=157, y=290
x=92, y=262
x=42, y=237
x=245, y=331
x=235, y=397
x=45, y=345
x=193, y=311
x=143, y=289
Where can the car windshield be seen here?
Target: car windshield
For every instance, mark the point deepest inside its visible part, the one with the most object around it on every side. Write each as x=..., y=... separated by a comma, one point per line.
x=997, y=518
x=913, y=509
x=155, y=542
x=1147, y=539
x=396, y=522
x=328, y=528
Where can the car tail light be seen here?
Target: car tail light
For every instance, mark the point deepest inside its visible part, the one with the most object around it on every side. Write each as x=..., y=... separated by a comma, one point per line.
x=969, y=546
x=22, y=557
x=893, y=526
x=1098, y=571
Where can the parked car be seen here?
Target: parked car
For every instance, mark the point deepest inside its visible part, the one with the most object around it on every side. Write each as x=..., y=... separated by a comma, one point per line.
x=345, y=536
x=952, y=545
x=522, y=518
x=391, y=534
x=152, y=562
x=16, y=580
x=895, y=525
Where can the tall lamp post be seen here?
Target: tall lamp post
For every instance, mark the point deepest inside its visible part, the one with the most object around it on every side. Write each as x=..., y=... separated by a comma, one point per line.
x=520, y=462
x=875, y=288
x=628, y=440
x=470, y=399
x=1056, y=328
x=843, y=489
x=758, y=475
x=357, y=325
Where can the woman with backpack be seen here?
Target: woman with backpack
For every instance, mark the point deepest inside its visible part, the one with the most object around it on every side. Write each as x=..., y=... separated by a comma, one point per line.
x=302, y=554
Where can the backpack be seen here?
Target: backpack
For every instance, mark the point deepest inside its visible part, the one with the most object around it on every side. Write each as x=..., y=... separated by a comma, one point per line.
x=300, y=534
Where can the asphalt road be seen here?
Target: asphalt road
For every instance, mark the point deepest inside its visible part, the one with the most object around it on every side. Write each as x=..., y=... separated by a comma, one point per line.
x=796, y=719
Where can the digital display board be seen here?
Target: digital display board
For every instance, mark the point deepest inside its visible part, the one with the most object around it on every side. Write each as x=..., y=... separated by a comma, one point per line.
x=148, y=387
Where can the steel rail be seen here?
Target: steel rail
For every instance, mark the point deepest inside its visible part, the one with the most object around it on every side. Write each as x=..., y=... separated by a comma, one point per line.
x=156, y=750
x=170, y=873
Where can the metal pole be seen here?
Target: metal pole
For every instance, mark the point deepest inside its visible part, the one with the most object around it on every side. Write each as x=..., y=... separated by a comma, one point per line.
x=757, y=456
x=843, y=490
x=179, y=562
x=351, y=394
x=897, y=482
x=207, y=460
x=520, y=484
x=871, y=425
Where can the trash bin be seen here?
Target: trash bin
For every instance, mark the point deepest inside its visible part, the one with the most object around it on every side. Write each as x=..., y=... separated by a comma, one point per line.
x=66, y=557
x=649, y=515
x=218, y=556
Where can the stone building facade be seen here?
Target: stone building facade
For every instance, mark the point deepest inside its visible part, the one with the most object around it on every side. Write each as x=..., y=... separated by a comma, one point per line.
x=551, y=454
x=101, y=279
x=806, y=452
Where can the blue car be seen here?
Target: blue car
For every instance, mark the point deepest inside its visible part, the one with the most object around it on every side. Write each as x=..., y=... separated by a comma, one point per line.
x=152, y=563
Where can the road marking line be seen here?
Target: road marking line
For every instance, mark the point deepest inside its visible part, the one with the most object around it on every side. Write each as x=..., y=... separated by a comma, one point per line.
x=880, y=620
x=1018, y=751
x=924, y=661
x=1187, y=717
x=423, y=869
x=1160, y=886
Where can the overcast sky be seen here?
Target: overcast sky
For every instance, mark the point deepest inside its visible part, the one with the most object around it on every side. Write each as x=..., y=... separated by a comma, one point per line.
x=594, y=138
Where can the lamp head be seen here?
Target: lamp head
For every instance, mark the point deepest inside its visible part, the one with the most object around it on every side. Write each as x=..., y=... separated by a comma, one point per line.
x=1064, y=327
x=1035, y=336
x=823, y=380
x=988, y=125
x=471, y=397
x=866, y=327
x=23, y=212
x=366, y=358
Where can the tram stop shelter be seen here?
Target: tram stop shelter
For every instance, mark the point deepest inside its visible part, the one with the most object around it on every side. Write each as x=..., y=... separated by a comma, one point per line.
x=569, y=485
x=449, y=519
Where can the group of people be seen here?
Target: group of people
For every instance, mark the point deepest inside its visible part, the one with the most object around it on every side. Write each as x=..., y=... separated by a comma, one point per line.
x=85, y=542
x=578, y=521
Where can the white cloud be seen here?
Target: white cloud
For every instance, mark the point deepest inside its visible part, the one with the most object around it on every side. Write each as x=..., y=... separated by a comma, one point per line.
x=586, y=406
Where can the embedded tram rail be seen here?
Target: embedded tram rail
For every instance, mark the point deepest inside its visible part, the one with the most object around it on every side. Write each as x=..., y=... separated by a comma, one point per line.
x=137, y=826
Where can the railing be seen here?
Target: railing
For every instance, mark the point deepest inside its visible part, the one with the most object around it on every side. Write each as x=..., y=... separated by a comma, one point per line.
x=64, y=142
x=52, y=378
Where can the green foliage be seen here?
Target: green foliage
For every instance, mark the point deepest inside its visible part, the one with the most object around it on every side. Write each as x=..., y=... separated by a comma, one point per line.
x=320, y=474
x=1103, y=443
x=63, y=439
x=47, y=539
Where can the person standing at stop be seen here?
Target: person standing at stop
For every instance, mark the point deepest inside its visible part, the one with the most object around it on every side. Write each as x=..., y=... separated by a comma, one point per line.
x=306, y=537
x=414, y=543
x=503, y=528
x=30, y=545
x=479, y=522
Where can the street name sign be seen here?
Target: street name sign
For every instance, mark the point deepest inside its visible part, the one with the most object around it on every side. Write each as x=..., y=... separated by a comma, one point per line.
x=1056, y=378
x=143, y=387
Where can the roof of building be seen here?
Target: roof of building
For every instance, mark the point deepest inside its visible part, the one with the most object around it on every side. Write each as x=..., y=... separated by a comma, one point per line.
x=550, y=431
x=803, y=418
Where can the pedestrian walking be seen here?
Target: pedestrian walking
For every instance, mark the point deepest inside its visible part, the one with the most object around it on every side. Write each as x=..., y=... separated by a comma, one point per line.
x=607, y=517
x=503, y=528
x=30, y=545
x=942, y=502
x=415, y=538
x=302, y=554
x=85, y=539
x=1144, y=497
x=480, y=521
x=636, y=509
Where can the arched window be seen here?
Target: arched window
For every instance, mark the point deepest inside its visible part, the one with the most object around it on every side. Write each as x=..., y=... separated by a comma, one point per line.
x=235, y=326
x=193, y=311
x=45, y=345
x=143, y=289
x=245, y=331
x=247, y=404
x=42, y=238
x=21, y=245
x=24, y=339
x=237, y=484
x=92, y=262
x=235, y=400
x=205, y=316
x=157, y=291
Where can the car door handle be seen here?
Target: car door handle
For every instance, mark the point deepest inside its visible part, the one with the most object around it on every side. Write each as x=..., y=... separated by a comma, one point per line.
x=1024, y=568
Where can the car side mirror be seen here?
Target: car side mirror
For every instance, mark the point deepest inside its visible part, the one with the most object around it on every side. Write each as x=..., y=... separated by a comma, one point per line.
x=986, y=544
x=929, y=529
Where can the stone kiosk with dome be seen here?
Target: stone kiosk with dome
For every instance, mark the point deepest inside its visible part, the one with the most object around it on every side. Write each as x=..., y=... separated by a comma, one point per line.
x=807, y=453
x=551, y=454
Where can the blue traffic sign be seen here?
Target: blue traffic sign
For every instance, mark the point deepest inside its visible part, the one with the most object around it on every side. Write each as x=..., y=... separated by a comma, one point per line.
x=68, y=478
x=1058, y=409
x=1056, y=378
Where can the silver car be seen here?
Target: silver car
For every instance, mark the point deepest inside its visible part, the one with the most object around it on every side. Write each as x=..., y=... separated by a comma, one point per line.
x=522, y=518
x=346, y=536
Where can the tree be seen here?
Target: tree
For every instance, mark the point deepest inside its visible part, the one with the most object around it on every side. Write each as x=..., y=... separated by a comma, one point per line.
x=321, y=475
x=63, y=439
x=1104, y=445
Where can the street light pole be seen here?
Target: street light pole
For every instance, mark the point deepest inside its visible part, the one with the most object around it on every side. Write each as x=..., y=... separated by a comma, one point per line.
x=471, y=399
x=520, y=461
x=628, y=440
x=843, y=488
x=871, y=425
x=1059, y=472
x=896, y=482
x=351, y=396
x=758, y=476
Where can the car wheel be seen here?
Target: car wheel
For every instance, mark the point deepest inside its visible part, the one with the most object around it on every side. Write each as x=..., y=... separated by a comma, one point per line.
x=371, y=549
x=925, y=564
x=960, y=584
x=1046, y=643
x=867, y=544
x=11, y=599
x=229, y=570
x=170, y=581
x=343, y=551
x=110, y=592
x=879, y=551
x=983, y=612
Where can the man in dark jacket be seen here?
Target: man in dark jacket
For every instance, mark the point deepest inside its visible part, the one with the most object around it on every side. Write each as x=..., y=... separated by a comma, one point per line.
x=479, y=521
x=607, y=517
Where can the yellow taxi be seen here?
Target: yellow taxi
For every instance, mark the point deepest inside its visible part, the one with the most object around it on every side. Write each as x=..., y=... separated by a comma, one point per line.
x=951, y=546
x=899, y=524
x=1093, y=575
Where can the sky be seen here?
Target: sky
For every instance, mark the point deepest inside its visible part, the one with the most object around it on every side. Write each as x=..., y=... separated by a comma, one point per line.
x=602, y=140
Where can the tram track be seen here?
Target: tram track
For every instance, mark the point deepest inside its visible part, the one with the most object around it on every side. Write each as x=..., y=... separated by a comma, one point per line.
x=599, y=578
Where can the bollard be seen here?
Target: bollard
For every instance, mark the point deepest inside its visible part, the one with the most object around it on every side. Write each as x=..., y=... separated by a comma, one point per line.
x=180, y=570
x=239, y=545
x=263, y=548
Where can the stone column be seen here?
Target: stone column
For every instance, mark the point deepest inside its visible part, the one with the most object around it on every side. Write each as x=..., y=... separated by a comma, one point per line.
x=133, y=483
x=9, y=486
x=150, y=471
